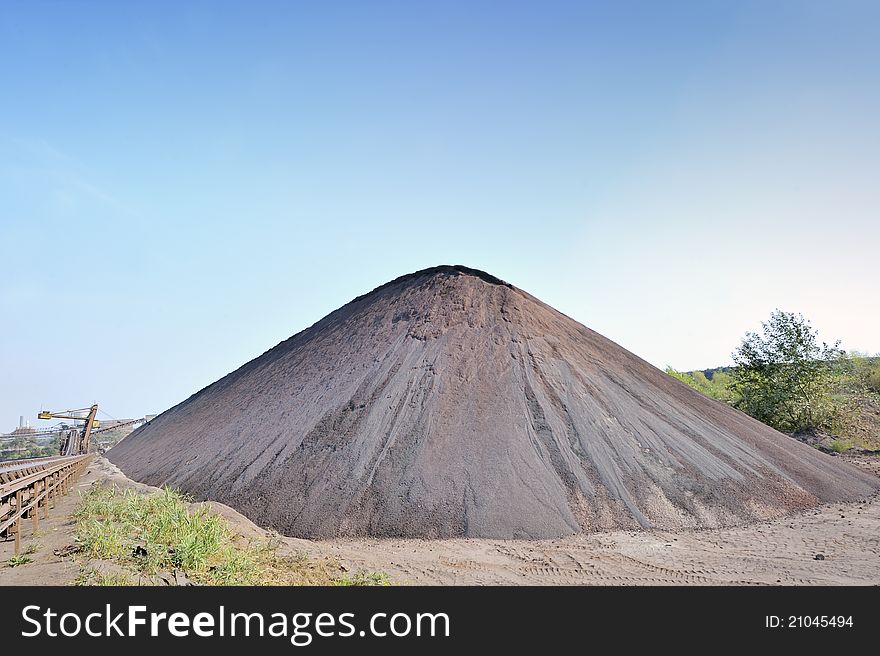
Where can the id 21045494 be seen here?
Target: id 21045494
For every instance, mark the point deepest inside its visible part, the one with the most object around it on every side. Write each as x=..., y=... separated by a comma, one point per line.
x=808, y=621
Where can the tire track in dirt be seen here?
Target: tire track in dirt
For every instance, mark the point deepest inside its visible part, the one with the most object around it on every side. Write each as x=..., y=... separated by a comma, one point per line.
x=777, y=552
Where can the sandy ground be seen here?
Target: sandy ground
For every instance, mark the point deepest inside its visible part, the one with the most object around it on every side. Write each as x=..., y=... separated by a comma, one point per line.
x=845, y=537
x=771, y=553
x=54, y=534
x=778, y=552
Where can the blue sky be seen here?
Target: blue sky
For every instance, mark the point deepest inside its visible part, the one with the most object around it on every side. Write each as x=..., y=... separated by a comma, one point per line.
x=186, y=184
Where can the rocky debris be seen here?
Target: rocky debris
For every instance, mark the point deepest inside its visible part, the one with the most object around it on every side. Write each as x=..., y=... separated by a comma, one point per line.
x=176, y=578
x=69, y=550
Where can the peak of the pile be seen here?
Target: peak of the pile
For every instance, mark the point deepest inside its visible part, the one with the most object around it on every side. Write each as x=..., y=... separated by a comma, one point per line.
x=441, y=270
x=446, y=270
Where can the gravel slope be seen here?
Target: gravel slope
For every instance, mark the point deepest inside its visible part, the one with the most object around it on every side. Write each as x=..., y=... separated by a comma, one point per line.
x=447, y=403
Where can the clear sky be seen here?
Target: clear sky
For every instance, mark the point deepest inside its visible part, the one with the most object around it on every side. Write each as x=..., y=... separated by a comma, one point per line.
x=185, y=184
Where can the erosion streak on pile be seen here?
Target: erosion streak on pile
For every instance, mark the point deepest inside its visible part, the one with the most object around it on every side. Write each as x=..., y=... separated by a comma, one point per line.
x=449, y=403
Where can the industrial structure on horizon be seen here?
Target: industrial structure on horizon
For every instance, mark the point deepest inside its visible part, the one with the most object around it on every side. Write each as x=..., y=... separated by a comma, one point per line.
x=80, y=432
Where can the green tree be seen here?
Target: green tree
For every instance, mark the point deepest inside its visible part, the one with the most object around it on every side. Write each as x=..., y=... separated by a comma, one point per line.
x=784, y=376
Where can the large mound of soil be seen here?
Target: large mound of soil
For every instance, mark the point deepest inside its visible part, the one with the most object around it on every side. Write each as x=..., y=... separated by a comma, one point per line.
x=449, y=403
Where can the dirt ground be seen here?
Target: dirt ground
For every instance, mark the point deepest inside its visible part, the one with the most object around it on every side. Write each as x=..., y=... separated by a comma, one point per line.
x=831, y=545
x=54, y=534
x=845, y=536
x=837, y=544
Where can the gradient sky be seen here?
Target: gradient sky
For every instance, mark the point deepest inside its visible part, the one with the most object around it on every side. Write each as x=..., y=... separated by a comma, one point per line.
x=185, y=184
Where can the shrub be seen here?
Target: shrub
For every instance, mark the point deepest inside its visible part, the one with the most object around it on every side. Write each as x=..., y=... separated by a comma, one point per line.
x=785, y=377
x=839, y=446
x=717, y=387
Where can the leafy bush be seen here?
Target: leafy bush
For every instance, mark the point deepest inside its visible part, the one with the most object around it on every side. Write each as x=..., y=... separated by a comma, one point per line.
x=792, y=383
x=784, y=377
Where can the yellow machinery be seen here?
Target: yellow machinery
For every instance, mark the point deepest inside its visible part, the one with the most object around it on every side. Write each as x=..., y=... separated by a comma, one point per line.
x=75, y=442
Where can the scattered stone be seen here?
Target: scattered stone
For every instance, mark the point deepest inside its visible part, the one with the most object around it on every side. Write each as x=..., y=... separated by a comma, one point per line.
x=69, y=550
x=180, y=578
x=105, y=568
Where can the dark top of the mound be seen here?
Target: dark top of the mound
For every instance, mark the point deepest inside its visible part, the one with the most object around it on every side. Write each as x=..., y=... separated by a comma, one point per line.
x=441, y=270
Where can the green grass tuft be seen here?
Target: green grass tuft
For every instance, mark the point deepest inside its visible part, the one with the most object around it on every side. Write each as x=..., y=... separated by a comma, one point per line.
x=364, y=578
x=160, y=532
x=93, y=577
x=840, y=446
x=20, y=559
